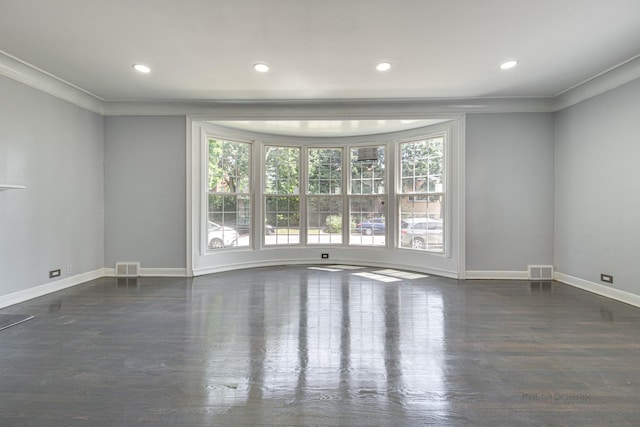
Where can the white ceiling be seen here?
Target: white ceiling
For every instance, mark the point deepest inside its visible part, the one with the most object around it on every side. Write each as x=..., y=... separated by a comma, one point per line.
x=326, y=128
x=203, y=50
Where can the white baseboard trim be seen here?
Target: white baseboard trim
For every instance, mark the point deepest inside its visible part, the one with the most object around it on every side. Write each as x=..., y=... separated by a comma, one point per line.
x=47, y=288
x=153, y=272
x=605, y=291
x=58, y=285
x=496, y=275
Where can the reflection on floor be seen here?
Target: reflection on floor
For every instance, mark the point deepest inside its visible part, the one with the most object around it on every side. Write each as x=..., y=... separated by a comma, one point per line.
x=321, y=345
x=9, y=320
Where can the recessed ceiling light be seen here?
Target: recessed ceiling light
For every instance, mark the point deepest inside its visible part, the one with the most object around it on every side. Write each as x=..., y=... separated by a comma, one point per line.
x=260, y=67
x=509, y=64
x=383, y=66
x=141, y=68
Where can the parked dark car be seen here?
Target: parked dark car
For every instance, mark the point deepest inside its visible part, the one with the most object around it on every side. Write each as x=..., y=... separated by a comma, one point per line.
x=371, y=226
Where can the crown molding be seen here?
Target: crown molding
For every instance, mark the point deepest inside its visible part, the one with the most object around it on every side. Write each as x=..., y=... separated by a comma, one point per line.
x=16, y=69
x=599, y=84
x=29, y=75
x=328, y=108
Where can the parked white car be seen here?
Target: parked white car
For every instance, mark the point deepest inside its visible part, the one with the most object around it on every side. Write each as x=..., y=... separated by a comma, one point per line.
x=220, y=236
x=421, y=233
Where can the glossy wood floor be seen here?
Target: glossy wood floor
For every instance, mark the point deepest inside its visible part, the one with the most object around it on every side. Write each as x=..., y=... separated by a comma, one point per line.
x=297, y=346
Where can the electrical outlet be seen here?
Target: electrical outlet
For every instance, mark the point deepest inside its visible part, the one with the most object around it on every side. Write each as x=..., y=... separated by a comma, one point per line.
x=606, y=278
x=54, y=273
x=324, y=256
x=68, y=270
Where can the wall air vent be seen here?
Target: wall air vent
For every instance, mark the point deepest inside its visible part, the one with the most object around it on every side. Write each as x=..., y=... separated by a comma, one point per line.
x=127, y=269
x=540, y=272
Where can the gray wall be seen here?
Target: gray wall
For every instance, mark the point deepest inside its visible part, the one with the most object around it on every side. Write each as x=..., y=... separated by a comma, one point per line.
x=509, y=186
x=103, y=190
x=56, y=150
x=597, y=184
x=509, y=191
x=145, y=191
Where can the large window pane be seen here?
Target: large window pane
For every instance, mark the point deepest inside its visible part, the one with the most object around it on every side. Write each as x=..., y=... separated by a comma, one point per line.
x=324, y=213
x=324, y=220
x=367, y=220
x=367, y=170
x=229, y=166
x=229, y=198
x=282, y=202
x=282, y=169
x=421, y=223
x=367, y=223
x=421, y=198
x=232, y=211
x=325, y=171
x=422, y=166
x=283, y=215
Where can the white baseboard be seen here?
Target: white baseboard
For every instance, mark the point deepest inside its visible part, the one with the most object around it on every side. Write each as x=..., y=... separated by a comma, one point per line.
x=153, y=272
x=58, y=285
x=605, y=291
x=47, y=288
x=496, y=275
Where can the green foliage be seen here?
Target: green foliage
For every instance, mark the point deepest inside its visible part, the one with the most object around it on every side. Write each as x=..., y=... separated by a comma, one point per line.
x=282, y=170
x=283, y=211
x=422, y=165
x=333, y=224
x=325, y=170
x=229, y=166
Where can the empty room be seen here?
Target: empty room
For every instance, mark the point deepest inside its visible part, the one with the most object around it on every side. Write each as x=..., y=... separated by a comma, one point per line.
x=304, y=213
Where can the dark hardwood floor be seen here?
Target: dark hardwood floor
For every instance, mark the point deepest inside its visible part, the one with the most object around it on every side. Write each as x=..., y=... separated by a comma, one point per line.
x=301, y=345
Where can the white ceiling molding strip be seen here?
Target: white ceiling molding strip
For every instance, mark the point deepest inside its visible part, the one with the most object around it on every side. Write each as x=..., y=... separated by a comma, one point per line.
x=603, y=82
x=36, y=78
x=329, y=109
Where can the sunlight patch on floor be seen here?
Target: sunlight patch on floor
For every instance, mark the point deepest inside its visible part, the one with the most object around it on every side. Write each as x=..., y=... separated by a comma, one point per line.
x=378, y=277
x=401, y=274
